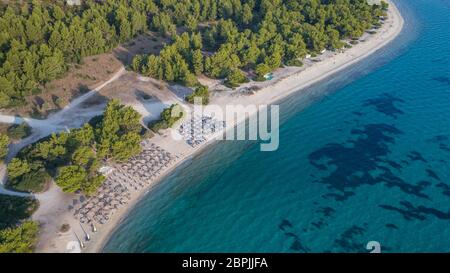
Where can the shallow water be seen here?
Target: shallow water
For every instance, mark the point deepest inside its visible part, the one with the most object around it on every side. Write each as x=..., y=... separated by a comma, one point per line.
x=363, y=156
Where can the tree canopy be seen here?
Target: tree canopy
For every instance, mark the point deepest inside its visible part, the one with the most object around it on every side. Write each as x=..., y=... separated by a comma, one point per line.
x=4, y=143
x=73, y=158
x=260, y=35
x=17, y=234
x=219, y=37
x=20, y=239
x=39, y=39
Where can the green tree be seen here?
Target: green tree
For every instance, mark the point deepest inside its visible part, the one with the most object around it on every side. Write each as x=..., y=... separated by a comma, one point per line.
x=262, y=69
x=4, y=143
x=127, y=146
x=6, y=90
x=117, y=121
x=18, y=167
x=247, y=14
x=83, y=156
x=52, y=149
x=197, y=62
x=274, y=59
x=295, y=48
x=19, y=131
x=235, y=78
x=334, y=41
x=14, y=209
x=191, y=23
x=201, y=93
x=136, y=63
x=168, y=117
x=71, y=178
x=91, y=185
x=84, y=136
x=21, y=239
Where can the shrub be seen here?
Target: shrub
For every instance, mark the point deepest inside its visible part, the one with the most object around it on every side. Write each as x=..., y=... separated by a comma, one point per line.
x=64, y=228
x=19, y=131
x=201, y=92
x=60, y=102
x=70, y=178
x=294, y=62
x=4, y=143
x=158, y=125
x=235, y=78
x=262, y=69
x=168, y=117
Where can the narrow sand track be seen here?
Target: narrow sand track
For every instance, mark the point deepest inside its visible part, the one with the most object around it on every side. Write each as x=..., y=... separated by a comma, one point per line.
x=69, y=117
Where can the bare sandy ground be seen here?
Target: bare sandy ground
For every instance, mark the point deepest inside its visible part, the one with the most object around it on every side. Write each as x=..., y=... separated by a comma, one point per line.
x=149, y=98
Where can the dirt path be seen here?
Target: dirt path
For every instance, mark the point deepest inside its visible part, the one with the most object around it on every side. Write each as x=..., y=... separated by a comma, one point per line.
x=68, y=117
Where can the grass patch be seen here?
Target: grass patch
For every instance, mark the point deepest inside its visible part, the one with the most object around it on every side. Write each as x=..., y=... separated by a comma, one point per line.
x=19, y=131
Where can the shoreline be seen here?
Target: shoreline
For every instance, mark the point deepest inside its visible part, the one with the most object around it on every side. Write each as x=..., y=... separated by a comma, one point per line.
x=270, y=94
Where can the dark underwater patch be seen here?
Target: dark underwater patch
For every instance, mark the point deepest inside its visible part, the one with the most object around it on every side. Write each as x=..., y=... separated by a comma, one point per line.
x=362, y=161
x=445, y=188
x=350, y=241
x=411, y=212
x=442, y=141
x=432, y=174
x=326, y=211
x=319, y=224
x=285, y=224
x=296, y=244
x=394, y=164
x=391, y=226
x=439, y=60
x=416, y=156
x=338, y=196
x=385, y=104
x=407, y=213
x=442, y=79
x=439, y=138
x=444, y=147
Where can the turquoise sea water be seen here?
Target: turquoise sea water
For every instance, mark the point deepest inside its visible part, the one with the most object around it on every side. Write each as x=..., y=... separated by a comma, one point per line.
x=364, y=156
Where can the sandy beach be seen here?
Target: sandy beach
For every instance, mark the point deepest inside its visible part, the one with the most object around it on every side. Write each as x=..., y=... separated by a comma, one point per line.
x=53, y=211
